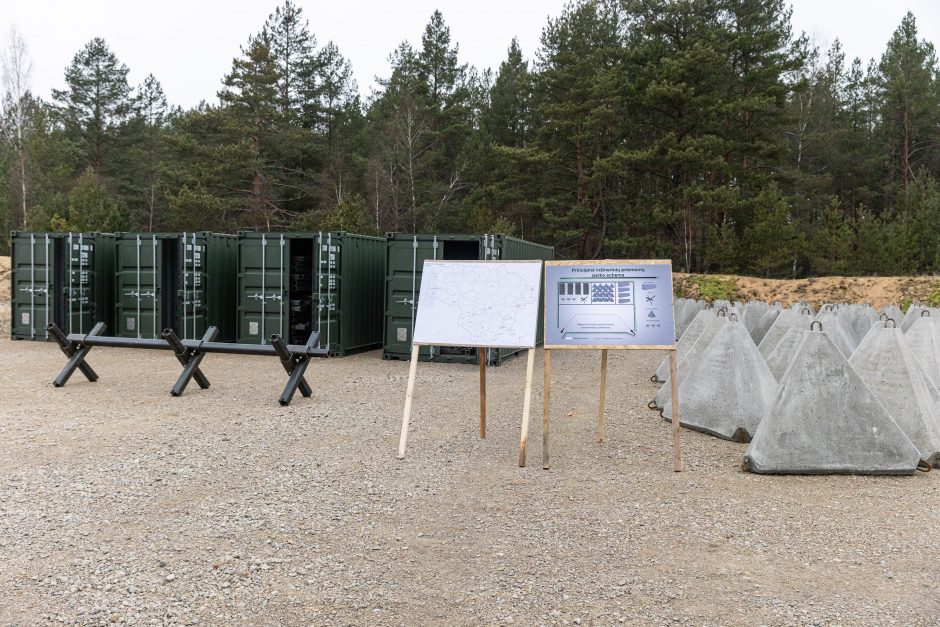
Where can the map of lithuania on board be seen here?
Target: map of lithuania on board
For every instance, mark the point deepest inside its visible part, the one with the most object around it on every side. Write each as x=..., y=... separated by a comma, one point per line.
x=486, y=304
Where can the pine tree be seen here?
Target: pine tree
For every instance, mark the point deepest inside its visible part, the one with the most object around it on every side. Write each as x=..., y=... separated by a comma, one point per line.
x=908, y=94
x=94, y=102
x=506, y=119
x=144, y=141
x=250, y=102
x=422, y=120
x=772, y=240
x=579, y=90
x=291, y=46
x=17, y=106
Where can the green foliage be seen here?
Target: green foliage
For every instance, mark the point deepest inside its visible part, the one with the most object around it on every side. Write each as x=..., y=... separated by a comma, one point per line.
x=772, y=241
x=933, y=296
x=484, y=220
x=704, y=132
x=90, y=208
x=712, y=288
x=348, y=214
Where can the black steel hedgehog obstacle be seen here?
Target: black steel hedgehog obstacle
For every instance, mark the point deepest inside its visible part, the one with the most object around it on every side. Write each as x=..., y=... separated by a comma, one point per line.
x=294, y=358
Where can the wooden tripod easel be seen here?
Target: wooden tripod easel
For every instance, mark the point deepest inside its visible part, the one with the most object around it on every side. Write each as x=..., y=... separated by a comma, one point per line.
x=546, y=408
x=481, y=352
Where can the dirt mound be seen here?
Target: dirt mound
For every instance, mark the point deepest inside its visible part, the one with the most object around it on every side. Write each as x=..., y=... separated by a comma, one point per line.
x=4, y=279
x=876, y=291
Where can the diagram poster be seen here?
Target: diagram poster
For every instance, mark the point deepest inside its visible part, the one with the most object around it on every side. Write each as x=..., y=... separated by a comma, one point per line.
x=609, y=304
x=488, y=304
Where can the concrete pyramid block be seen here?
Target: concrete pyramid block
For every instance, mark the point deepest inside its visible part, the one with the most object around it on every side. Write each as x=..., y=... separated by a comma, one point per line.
x=729, y=390
x=698, y=324
x=800, y=305
x=835, y=324
x=887, y=365
x=753, y=312
x=691, y=357
x=894, y=312
x=914, y=312
x=788, y=319
x=760, y=328
x=861, y=319
x=923, y=338
x=686, y=314
x=780, y=357
x=826, y=420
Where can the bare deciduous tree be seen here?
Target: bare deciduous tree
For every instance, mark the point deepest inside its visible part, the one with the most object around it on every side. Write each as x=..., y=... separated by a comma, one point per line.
x=15, y=71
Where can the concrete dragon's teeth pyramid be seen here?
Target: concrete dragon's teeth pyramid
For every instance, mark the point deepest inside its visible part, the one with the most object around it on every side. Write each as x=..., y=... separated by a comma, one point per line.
x=729, y=389
x=687, y=363
x=780, y=357
x=826, y=420
x=885, y=362
x=923, y=338
x=788, y=319
x=692, y=333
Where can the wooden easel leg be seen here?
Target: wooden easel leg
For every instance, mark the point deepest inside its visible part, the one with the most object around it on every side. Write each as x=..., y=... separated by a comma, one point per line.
x=409, y=396
x=546, y=407
x=603, y=399
x=481, y=355
x=674, y=377
x=526, y=406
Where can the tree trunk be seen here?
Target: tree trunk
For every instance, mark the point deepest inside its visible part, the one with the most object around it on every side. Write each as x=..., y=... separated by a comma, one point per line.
x=150, y=222
x=23, y=183
x=905, y=149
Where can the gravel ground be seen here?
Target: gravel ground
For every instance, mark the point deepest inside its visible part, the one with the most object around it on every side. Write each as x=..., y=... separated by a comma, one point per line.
x=119, y=503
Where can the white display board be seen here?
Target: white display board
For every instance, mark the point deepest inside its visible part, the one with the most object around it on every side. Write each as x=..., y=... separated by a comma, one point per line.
x=488, y=304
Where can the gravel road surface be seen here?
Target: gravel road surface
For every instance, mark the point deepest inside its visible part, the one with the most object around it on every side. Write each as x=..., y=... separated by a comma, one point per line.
x=120, y=504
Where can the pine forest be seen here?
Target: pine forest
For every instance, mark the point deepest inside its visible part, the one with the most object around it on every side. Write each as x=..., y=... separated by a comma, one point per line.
x=705, y=131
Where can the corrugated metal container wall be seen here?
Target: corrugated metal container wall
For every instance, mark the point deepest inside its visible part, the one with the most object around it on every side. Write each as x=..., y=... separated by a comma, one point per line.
x=174, y=281
x=295, y=283
x=405, y=258
x=66, y=278
x=142, y=262
x=222, y=288
x=275, y=286
x=350, y=273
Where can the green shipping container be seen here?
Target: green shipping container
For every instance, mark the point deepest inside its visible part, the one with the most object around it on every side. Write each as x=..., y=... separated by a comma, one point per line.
x=180, y=281
x=65, y=278
x=295, y=283
x=406, y=255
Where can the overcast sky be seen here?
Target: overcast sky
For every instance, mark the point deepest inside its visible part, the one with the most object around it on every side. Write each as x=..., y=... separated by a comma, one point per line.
x=189, y=45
